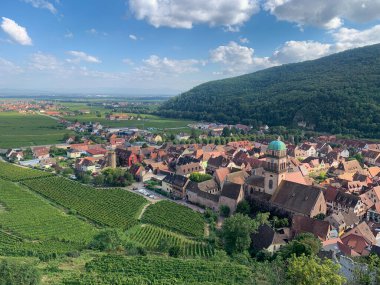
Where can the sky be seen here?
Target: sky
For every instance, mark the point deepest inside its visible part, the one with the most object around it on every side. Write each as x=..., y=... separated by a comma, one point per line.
x=169, y=46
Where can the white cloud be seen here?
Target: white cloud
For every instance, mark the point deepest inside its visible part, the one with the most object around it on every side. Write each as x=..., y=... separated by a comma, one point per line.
x=155, y=66
x=244, y=40
x=92, y=31
x=351, y=38
x=7, y=67
x=184, y=14
x=79, y=56
x=133, y=37
x=324, y=13
x=43, y=4
x=128, y=61
x=236, y=59
x=45, y=62
x=69, y=35
x=296, y=51
x=16, y=32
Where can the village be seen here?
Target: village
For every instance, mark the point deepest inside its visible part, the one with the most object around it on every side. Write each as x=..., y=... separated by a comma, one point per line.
x=325, y=186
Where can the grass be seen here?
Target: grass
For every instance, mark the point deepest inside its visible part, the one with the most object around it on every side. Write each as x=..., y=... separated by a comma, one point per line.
x=16, y=173
x=31, y=217
x=17, y=130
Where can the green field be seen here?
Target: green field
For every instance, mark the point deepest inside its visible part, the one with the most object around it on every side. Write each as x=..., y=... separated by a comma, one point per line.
x=18, y=130
x=28, y=216
x=109, y=207
x=151, y=237
x=17, y=173
x=160, y=270
x=175, y=217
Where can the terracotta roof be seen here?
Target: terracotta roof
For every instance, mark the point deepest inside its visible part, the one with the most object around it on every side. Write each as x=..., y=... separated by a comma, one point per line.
x=302, y=224
x=296, y=177
x=362, y=230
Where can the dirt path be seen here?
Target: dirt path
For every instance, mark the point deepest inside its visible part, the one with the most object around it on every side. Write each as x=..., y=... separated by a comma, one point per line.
x=143, y=210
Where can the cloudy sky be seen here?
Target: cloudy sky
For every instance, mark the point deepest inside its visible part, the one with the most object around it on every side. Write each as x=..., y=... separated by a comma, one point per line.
x=169, y=46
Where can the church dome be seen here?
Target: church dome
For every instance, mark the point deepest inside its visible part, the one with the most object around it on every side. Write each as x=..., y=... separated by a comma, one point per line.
x=277, y=145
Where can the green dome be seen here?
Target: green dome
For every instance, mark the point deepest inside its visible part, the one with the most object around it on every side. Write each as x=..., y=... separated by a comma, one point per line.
x=277, y=145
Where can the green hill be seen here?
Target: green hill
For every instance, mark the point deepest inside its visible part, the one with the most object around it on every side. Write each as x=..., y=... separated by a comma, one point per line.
x=339, y=93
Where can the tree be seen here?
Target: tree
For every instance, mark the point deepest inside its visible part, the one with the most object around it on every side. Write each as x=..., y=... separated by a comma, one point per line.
x=107, y=240
x=199, y=177
x=99, y=180
x=304, y=244
x=175, y=251
x=311, y=270
x=226, y=132
x=243, y=208
x=224, y=210
x=237, y=229
x=18, y=273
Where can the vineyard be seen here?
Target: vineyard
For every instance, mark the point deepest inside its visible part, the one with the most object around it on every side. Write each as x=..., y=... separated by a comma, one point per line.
x=28, y=216
x=15, y=246
x=156, y=270
x=15, y=173
x=175, y=217
x=151, y=236
x=110, y=207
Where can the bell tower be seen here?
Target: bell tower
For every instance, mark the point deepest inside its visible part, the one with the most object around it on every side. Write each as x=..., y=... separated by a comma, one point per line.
x=275, y=166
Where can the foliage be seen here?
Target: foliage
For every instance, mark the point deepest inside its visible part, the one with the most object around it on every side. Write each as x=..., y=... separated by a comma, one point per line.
x=304, y=244
x=55, y=151
x=18, y=273
x=243, y=208
x=311, y=270
x=237, y=229
x=318, y=92
x=157, y=239
x=184, y=271
x=116, y=177
x=224, y=210
x=108, y=240
x=276, y=222
x=199, y=177
x=175, y=217
x=175, y=251
x=111, y=207
x=16, y=173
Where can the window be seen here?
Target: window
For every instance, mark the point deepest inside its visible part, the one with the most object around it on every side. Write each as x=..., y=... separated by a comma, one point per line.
x=270, y=184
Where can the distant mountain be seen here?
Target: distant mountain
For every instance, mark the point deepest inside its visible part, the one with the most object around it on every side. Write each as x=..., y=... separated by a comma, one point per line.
x=339, y=93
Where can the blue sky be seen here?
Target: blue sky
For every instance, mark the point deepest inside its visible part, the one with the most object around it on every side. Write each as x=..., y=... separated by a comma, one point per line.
x=169, y=46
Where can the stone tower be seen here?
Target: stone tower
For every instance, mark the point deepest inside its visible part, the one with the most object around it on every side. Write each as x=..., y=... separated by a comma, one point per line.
x=111, y=159
x=275, y=166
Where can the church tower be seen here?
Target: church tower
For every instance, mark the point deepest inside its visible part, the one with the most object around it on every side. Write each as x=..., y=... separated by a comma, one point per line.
x=275, y=166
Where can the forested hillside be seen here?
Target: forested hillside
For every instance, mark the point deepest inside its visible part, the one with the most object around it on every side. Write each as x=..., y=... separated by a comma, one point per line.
x=339, y=93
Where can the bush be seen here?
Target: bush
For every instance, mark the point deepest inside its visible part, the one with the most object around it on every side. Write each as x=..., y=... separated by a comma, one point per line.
x=108, y=240
x=175, y=251
x=224, y=210
x=17, y=273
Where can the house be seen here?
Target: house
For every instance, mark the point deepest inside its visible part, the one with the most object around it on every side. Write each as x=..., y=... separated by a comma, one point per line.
x=370, y=156
x=305, y=150
x=182, y=136
x=138, y=172
x=357, y=241
x=117, y=117
x=175, y=185
x=14, y=154
x=231, y=195
x=341, y=221
x=156, y=139
x=296, y=198
x=126, y=158
x=86, y=164
x=373, y=213
x=204, y=193
x=348, y=202
x=73, y=153
x=97, y=152
x=269, y=239
x=41, y=152
x=215, y=163
x=186, y=165
x=320, y=229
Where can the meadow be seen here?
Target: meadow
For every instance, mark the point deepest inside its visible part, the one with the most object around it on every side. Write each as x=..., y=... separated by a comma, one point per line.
x=17, y=130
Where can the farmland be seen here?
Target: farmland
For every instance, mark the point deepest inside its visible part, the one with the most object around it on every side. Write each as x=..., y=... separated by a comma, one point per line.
x=16, y=173
x=109, y=207
x=114, y=269
x=151, y=237
x=175, y=217
x=18, y=130
x=41, y=221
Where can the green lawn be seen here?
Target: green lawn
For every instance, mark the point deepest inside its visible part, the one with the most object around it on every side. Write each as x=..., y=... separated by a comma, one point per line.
x=18, y=130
